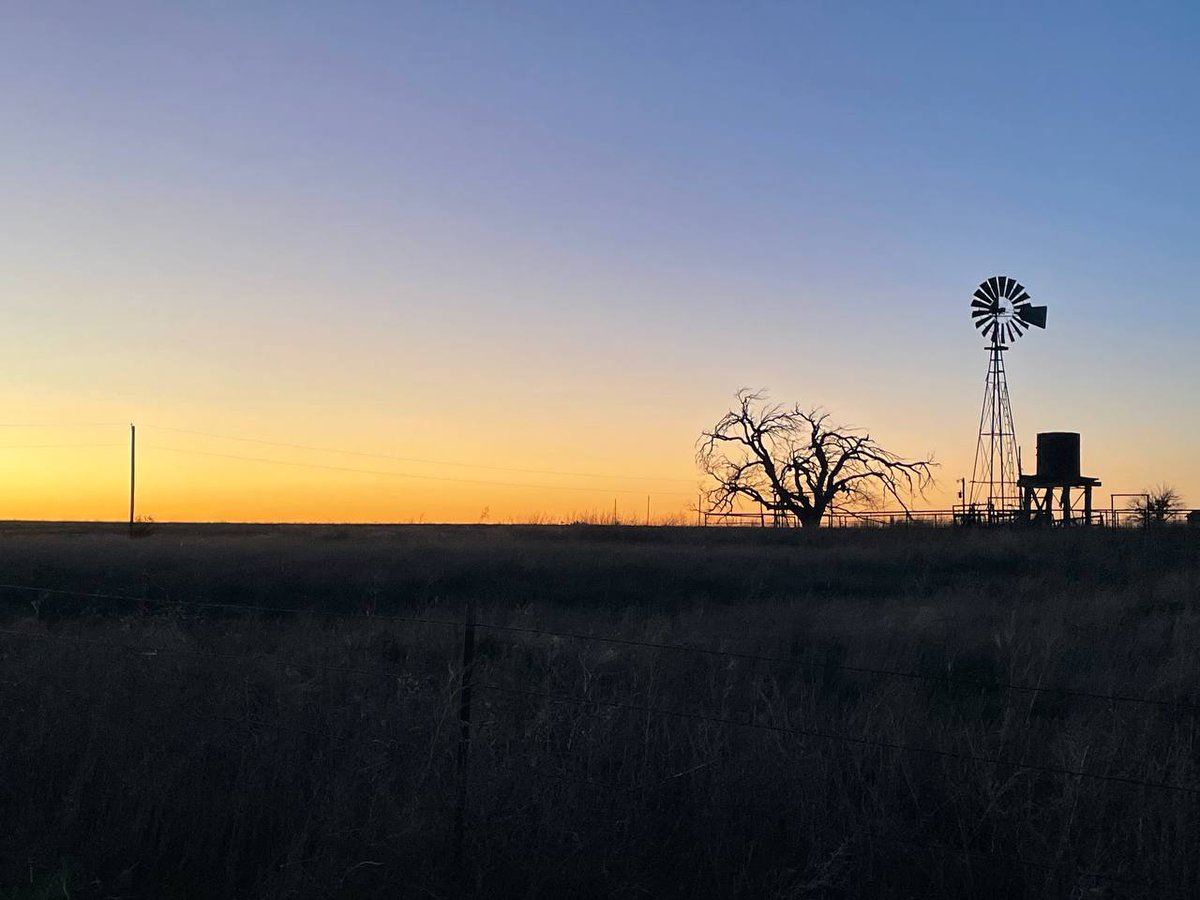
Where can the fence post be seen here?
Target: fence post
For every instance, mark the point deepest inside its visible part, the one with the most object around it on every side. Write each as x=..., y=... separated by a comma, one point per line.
x=464, y=728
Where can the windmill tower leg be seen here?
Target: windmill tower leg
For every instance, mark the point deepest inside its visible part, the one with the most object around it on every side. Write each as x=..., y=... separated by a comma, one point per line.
x=994, y=475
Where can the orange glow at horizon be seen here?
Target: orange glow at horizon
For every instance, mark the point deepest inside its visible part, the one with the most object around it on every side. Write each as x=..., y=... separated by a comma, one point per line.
x=181, y=478
x=82, y=474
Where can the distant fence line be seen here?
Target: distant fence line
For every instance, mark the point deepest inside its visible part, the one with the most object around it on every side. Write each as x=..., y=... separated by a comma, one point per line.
x=938, y=518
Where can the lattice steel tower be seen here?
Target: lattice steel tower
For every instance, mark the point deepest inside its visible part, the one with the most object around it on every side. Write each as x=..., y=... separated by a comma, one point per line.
x=1002, y=313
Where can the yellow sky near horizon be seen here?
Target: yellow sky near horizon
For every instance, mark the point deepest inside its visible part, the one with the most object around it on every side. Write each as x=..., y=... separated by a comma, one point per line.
x=68, y=471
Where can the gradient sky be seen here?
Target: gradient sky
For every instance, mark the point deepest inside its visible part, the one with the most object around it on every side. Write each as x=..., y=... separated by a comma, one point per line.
x=558, y=236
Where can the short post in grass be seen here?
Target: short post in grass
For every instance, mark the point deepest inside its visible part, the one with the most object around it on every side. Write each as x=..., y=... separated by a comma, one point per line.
x=464, y=727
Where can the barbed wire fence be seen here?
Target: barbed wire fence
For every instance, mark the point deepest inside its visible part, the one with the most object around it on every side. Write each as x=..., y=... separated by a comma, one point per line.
x=467, y=683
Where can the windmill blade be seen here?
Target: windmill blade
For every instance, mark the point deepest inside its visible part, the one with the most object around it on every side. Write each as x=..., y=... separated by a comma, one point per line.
x=1021, y=294
x=987, y=291
x=994, y=284
x=1031, y=315
x=981, y=295
x=982, y=320
x=1019, y=326
x=978, y=313
x=1004, y=283
x=981, y=302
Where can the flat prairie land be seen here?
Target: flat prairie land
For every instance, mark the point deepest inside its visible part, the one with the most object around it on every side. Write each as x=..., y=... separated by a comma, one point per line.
x=219, y=711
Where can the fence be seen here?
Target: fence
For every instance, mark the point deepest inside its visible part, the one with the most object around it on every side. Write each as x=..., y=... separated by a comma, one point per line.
x=1114, y=517
x=468, y=684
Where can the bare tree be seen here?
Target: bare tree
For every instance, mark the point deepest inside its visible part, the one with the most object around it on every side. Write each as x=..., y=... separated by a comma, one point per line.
x=1158, y=505
x=795, y=461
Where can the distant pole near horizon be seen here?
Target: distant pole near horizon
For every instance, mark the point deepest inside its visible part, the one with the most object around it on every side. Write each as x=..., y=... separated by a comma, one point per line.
x=132, y=471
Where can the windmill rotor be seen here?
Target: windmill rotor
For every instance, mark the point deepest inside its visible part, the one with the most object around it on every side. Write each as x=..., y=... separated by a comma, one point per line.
x=1002, y=311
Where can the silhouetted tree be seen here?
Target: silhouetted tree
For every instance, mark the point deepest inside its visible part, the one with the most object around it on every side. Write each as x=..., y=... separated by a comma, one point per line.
x=1158, y=505
x=795, y=461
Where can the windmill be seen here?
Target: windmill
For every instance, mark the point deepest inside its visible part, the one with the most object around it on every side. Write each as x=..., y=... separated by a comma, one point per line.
x=1002, y=312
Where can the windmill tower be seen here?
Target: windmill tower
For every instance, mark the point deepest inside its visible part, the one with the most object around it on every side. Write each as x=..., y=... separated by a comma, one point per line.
x=1002, y=312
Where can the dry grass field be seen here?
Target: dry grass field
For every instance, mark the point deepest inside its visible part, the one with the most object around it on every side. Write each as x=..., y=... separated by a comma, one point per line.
x=888, y=713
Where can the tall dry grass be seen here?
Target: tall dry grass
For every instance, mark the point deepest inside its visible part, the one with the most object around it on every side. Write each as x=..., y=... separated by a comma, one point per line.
x=223, y=765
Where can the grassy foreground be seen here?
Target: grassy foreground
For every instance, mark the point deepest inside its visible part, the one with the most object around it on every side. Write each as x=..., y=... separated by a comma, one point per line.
x=166, y=750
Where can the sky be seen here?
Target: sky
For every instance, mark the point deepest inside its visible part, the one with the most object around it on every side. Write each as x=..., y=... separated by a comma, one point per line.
x=519, y=255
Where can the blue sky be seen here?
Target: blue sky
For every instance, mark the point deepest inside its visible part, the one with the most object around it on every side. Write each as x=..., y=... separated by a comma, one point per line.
x=580, y=226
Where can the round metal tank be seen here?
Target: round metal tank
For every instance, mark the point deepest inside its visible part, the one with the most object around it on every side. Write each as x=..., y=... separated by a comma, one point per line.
x=1058, y=455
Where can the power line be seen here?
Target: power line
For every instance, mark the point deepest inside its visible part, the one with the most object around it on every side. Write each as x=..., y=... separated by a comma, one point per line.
x=551, y=487
x=55, y=446
x=413, y=459
x=843, y=739
x=62, y=425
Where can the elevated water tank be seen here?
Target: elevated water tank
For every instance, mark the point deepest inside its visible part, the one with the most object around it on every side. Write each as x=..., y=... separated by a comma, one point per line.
x=1058, y=456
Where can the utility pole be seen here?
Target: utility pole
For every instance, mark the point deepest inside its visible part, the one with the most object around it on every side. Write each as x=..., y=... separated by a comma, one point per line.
x=132, y=473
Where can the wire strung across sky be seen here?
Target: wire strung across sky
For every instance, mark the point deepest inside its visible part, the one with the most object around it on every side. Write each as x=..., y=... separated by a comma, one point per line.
x=62, y=426
x=56, y=446
x=438, y=478
x=413, y=459
x=652, y=479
